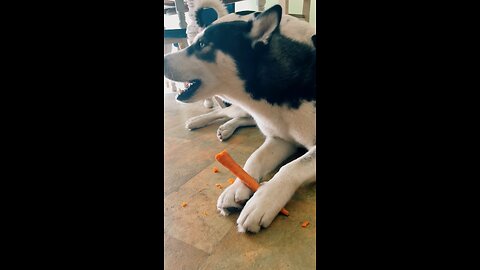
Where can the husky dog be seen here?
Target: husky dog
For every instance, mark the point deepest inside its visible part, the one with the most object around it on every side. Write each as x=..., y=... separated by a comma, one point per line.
x=265, y=64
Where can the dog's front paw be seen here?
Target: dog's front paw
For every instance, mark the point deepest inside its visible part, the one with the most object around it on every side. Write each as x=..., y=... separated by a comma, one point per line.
x=225, y=131
x=263, y=207
x=196, y=122
x=233, y=198
x=208, y=103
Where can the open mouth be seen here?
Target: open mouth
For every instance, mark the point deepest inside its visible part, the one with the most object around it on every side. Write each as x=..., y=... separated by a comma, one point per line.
x=186, y=94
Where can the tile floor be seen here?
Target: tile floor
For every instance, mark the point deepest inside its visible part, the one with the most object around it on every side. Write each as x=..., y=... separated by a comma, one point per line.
x=196, y=236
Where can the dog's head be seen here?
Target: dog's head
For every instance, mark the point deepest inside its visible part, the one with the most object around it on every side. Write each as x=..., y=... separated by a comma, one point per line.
x=210, y=63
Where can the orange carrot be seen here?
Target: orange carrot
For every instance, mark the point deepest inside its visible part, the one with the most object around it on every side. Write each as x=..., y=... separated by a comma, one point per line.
x=215, y=169
x=305, y=224
x=227, y=161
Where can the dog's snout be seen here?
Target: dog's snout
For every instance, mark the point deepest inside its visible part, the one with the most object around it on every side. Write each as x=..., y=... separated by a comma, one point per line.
x=174, y=67
x=167, y=67
x=165, y=64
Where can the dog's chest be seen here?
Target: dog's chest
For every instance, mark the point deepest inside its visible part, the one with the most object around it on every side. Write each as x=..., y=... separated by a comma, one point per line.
x=291, y=125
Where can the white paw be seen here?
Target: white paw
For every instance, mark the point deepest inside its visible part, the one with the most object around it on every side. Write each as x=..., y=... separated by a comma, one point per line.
x=263, y=207
x=224, y=132
x=196, y=122
x=233, y=197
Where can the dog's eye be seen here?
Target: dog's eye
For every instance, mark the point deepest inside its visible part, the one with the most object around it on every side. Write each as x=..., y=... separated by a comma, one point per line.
x=201, y=44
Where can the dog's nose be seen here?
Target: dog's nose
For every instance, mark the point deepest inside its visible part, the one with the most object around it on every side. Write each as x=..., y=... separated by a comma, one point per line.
x=165, y=64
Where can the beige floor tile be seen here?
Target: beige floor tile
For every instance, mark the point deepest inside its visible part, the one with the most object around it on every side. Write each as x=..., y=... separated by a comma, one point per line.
x=199, y=223
x=199, y=229
x=284, y=245
x=182, y=161
x=179, y=255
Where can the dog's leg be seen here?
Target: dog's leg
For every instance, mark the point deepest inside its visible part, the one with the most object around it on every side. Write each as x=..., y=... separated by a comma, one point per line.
x=269, y=199
x=264, y=160
x=204, y=119
x=219, y=102
x=208, y=118
x=226, y=130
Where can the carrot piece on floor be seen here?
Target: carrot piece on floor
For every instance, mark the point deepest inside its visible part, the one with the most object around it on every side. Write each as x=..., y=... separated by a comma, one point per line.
x=215, y=169
x=227, y=161
x=305, y=224
x=184, y=204
x=230, y=180
x=218, y=186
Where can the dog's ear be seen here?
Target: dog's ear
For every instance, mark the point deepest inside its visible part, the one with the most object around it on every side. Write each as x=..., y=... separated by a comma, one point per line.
x=205, y=16
x=207, y=11
x=265, y=24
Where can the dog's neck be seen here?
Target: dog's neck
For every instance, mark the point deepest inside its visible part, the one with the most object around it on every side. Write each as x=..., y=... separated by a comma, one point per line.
x=256, y=108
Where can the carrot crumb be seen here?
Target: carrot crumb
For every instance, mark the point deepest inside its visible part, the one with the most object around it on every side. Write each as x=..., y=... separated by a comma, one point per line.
x=305, y=224
x=184, y=204
x=215, y=169
x=230, y=180
x=218, y=186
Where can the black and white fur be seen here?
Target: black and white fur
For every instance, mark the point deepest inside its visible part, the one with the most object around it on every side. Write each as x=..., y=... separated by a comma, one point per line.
x=235, y=116
x=264, y=64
